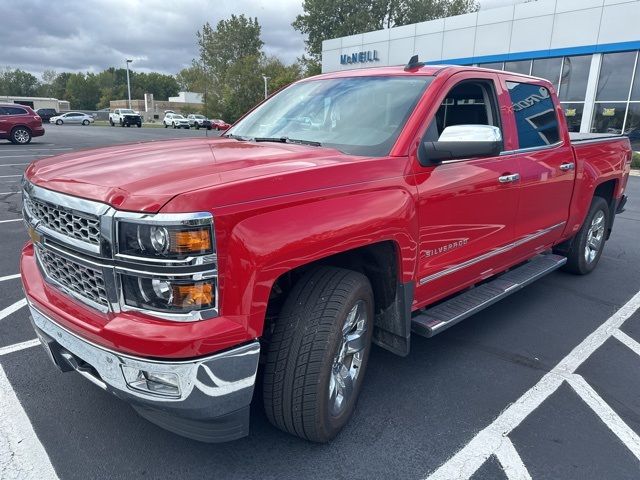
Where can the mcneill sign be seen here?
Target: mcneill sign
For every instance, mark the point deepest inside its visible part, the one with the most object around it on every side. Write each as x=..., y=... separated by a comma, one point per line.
x=360, y=57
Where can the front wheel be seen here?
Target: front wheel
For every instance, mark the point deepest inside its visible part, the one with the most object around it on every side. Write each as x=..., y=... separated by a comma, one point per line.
x=318, y=353
x=588, y=244
x=139, y=125
x=20, y=136
x=111, y=123
x=58, y=122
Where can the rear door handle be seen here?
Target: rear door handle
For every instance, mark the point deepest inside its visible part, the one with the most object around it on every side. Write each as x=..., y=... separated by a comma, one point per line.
x=514, y=177
x=567, y=166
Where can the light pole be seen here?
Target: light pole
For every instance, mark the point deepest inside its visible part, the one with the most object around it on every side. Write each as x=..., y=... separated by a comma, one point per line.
x=128, y=83
x=266, y=94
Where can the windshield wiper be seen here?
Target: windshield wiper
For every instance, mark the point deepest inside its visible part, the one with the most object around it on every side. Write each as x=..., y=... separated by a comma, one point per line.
x=237, y=137
x=287, y=140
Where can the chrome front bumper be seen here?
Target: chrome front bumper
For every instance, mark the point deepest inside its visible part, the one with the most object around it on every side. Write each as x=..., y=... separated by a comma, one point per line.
x=214, y=392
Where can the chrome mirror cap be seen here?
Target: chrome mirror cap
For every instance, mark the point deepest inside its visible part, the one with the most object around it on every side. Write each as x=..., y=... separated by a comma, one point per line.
x=471, y=133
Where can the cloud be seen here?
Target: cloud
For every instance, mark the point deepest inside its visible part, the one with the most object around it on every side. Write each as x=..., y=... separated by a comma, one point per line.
x=159, y=35
x=71, y=35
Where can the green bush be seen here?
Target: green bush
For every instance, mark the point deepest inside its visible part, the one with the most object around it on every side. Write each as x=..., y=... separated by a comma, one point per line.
x=635, y=161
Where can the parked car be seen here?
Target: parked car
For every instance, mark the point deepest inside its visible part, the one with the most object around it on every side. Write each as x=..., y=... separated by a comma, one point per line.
x=19, y=123
x=305, y=245
x=175, y=120
x=199, y=121
x=46, y=113
x=219, y=124
x=72, y=118
x=125, y=117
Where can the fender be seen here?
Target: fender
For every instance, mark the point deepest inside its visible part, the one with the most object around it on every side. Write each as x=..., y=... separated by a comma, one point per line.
x=266, y=244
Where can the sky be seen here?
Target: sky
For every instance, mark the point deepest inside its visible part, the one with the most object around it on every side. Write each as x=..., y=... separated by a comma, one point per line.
x=159, y=35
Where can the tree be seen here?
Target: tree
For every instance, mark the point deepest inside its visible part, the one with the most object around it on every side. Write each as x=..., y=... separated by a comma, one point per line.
x=280, y=75
x=192, y=79
x=230, y=41
x=83, y=91
x=18, y=83
x=325, y=19
x=230, y=65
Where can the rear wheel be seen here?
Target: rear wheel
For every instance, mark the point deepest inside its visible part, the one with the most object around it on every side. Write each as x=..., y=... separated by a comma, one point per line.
x=20, y=135
x=588, y=244
x=85, y=122
x=318, y=353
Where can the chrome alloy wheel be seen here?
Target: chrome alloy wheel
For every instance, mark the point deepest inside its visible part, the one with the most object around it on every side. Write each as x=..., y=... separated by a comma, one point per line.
x=346, y=364
x=595, y=237
x=21, y=135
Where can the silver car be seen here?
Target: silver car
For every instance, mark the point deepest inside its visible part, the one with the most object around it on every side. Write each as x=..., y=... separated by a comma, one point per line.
x=72, y=118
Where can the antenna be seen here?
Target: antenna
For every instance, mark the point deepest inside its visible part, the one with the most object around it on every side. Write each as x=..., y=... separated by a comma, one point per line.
x=414, y=63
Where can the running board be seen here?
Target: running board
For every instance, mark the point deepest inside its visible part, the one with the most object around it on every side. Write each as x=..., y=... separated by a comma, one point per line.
x=434, y=320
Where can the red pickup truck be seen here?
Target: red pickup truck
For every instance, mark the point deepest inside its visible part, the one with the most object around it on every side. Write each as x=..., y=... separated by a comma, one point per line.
x=349, y=208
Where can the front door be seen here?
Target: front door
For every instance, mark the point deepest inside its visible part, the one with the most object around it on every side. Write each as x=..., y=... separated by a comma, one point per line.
x=467, y=207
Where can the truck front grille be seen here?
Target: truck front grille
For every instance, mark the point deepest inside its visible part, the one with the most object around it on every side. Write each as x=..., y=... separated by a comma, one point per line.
x=84, y=281
x=81, y=227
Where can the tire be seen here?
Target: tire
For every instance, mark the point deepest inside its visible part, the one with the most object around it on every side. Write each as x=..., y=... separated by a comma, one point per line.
x=20, y=136
x=174, y=124
x=197, y=125
x=59, y=122
x=111, y=123
x=85, y=122
x=306, y=346
x=121, y=123
x=139, y=125
x=592, y=232
x=165, y=125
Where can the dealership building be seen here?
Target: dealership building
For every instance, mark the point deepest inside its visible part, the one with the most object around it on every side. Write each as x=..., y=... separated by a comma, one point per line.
x=588, y=49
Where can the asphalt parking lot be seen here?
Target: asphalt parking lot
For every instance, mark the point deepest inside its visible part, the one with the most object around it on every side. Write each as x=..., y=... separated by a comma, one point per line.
x=543, y=385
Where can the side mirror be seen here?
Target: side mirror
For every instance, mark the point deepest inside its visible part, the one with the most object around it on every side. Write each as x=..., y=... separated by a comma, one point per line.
x=461, y=141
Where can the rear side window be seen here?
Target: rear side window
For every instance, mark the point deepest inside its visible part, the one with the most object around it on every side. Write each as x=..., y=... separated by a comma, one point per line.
x=536, y=117
x=14, y=111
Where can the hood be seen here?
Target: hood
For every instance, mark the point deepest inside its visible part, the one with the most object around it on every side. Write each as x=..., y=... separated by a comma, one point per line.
x=145, y=176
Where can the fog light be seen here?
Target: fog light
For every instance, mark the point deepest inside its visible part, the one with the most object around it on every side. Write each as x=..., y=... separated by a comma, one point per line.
x=156, y=383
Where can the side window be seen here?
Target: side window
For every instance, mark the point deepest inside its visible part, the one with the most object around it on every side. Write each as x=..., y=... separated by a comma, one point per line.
x=535, y=114
x=470, y=102
x=15, y=111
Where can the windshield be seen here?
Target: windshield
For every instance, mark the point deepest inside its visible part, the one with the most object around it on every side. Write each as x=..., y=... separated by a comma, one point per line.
x=177, y=116
x=358, y=115
x=126, y=111
x=199, y=116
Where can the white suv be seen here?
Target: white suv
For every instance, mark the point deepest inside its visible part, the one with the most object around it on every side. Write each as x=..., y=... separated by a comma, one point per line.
x=175, y=120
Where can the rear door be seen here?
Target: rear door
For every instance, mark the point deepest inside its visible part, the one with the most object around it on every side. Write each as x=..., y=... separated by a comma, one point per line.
x=467, y=211
x=546, y=164
x=5, y=124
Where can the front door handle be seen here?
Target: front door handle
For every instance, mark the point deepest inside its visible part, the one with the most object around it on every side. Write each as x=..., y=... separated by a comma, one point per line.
x=514, y=177
x=565, y=167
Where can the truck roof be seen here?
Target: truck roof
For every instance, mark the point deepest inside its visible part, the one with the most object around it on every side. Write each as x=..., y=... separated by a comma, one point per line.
x=423, y=70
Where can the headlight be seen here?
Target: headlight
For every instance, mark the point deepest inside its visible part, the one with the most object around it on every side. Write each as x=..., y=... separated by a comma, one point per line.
x=174, y=296
x=164, y=241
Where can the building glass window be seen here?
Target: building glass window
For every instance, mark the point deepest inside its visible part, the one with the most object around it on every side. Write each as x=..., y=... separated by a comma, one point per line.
x=632, y=127
x=548, y=68
x=535, y=114
x=573, y=114
x=522, y=66
x=617, y=107
x=609, y=117
x=615, y=76
x=492, y=65
x=635, y=90
x=575, y=75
